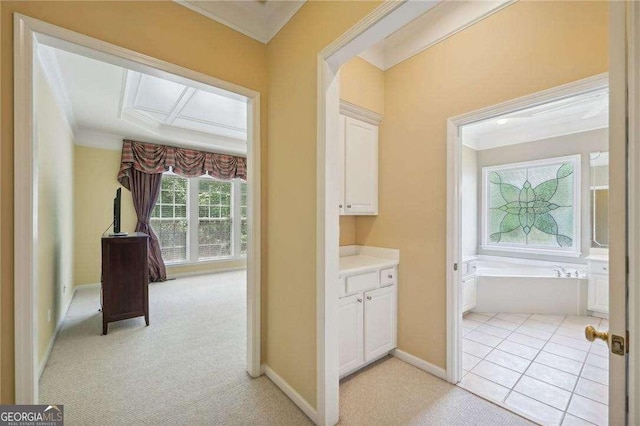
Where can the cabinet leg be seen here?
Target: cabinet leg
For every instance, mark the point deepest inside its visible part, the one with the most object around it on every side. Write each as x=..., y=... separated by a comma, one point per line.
x=105, y=327
x=146, y=318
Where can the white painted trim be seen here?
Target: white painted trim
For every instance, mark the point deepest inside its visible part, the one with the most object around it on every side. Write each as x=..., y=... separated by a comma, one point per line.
x=291, y=393
x=25, y=217
x=271, y=24
x=197, y=273
x=454, y=178
x=259, y=37
x=381, y=22
x=86, y=286
x=27, y=32
x=620, y=125
x=360, y=113
x=438, y=24
x=439, y=372
x=633, y=214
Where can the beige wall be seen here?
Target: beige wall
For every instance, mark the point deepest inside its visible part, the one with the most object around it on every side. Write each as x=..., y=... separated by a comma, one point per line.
x=95, y=184
x=95, y=172
x=55, y=211
x=548, y=44
x=361, y=84
x=578, y=143
x=291, y=311
x=164, y=30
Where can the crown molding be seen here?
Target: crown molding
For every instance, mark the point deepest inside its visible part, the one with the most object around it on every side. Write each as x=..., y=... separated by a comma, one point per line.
x=444, y=20
x=359, y=113
x=261, y=28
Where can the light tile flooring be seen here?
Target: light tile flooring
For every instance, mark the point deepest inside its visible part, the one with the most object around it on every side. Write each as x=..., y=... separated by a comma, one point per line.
x=540, y=366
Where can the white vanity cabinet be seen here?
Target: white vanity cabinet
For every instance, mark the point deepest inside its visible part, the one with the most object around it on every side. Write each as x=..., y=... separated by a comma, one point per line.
x=598, y=287
x=358, y=166
x=367, y=315
x=469, y=286
x=350, y=323
x=379, y=322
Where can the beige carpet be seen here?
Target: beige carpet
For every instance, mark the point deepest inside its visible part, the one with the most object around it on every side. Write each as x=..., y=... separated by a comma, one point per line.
x=392, y=392
x=187, y=367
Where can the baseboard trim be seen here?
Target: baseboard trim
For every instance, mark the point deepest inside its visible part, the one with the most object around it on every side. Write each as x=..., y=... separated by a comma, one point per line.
x=420, y=363
x=54, y=337
x=214, y=271
x=83, y=286
x=291, y=393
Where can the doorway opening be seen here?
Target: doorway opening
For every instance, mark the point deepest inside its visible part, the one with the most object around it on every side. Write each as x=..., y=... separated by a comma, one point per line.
x=204, y=224
x=532, y=240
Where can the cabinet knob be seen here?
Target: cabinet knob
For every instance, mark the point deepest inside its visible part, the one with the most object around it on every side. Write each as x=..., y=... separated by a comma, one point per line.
x=368, y=297
x=348, y=206
x=359, y=300
x=389, y=276
x=340, y=205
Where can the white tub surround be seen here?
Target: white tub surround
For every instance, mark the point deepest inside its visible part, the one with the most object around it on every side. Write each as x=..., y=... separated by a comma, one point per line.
x=598, y=289
x=528, y=286
x=367, y=308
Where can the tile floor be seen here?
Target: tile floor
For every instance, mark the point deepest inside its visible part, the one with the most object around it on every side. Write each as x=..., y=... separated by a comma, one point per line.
x=541, y=366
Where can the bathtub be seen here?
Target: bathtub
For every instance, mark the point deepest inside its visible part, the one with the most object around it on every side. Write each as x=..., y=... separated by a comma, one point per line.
x=526, y=286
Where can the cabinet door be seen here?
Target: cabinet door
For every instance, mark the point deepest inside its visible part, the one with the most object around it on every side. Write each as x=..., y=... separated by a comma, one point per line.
x=341, y=152
x=379, y=322
x=469, y=291
x=598, y=293
x=361, y=167
x=350, y=317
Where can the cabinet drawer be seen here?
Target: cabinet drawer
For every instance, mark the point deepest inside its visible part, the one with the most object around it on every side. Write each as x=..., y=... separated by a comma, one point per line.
x=361, y=282
x=599, y=268
x=387, y=276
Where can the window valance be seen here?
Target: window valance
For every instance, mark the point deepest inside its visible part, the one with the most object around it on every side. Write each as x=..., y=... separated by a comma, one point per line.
x=152, y=159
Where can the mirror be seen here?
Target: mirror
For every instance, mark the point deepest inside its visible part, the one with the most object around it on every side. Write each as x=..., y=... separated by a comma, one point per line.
x=599, y=189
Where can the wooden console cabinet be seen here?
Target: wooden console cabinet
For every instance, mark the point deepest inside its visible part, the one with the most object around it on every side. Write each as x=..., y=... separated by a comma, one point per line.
x=125, y=278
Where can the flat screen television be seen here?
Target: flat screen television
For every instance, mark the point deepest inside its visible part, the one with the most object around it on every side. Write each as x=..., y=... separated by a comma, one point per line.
x=116, y=211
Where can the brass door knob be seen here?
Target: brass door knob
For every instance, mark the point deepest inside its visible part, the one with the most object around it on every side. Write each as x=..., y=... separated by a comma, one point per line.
x=592, y=334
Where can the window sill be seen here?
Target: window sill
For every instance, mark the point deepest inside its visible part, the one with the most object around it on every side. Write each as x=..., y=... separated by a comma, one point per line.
x=541, y=252
x=207, y=261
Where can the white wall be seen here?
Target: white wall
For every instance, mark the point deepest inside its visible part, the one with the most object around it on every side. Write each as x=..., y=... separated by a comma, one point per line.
x=54, y=152
x=579, y=143
x=469, y=205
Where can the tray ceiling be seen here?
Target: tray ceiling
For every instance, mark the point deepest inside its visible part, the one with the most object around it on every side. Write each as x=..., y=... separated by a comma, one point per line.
x=575, y=114
x=105, y=103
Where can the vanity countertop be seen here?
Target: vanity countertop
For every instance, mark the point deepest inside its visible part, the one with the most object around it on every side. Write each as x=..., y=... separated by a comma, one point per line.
x=354, y=259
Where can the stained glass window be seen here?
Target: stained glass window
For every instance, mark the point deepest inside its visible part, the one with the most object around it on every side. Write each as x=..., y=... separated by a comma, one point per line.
x=532, y=206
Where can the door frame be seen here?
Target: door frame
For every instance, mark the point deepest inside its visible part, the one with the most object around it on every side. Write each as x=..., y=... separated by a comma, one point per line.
x=454, y=198
x=380, y=23
x=28, y=32
x=624, y=47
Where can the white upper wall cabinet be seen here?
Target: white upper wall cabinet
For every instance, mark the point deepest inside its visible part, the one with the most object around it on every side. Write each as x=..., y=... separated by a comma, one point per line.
x=358, y=145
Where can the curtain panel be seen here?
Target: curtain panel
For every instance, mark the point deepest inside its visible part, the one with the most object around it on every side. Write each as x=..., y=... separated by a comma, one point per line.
x=151, y=158
x=141, y=169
